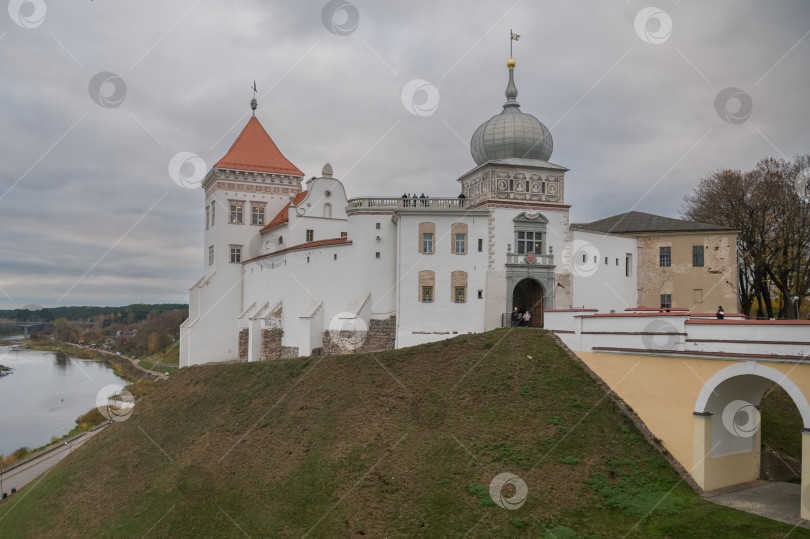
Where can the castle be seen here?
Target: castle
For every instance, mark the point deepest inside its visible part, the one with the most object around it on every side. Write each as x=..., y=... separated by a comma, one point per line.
x=297, y=268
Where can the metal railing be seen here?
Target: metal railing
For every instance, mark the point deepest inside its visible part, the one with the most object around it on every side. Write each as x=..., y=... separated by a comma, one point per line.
x=407, y=203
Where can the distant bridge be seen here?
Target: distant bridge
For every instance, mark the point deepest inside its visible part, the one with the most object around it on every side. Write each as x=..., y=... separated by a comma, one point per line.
x=28, y=325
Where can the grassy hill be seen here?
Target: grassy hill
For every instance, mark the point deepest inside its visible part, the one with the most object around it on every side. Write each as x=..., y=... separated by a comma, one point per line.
x=387, y=445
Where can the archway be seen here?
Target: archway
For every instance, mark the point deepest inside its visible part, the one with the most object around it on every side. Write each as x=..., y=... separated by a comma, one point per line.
x=528, y=294
x=727, y=443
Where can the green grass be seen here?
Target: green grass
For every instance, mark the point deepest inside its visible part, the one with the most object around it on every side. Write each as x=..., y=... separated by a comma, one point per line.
x=148, y=365
x=397, y=444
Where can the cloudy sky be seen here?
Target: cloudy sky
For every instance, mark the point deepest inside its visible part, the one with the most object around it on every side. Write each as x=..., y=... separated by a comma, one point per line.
x=99, y=96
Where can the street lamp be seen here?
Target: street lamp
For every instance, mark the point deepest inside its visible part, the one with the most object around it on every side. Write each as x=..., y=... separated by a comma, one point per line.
x=796, y=306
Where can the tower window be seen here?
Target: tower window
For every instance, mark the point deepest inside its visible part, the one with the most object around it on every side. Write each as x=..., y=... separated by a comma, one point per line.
x=257, y=214
x=236, y=213
x=210, y=255
x=236, y=254
x=378, y=226
x=310, y=235
x=344, y=234
x=207, y=213
x=213, y=212
x=480, y=245
x=480, y=294
x=666, y=301
x=377, y=254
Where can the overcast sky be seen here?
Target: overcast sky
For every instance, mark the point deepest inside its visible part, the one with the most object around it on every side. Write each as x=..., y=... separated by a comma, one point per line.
x=635, y=97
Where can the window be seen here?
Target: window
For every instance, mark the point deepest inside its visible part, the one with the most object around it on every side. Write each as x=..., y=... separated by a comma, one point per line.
x=606, y=261
x=327, y=210
x=210, y=255
x=697, y=255
x=617, y=261
x=427, y=243
x=334, y=256
x=236, y=254
x=236, y=213
x=377, y=254
x=427, y=280
x=427, y=231
x=461, y=244
x=529, y=241
x=280, y=240
x=666, y=301
x=458, y=286
x=480, y=245
x=480, y=294
x=344, y=234
x=310, y=235
x=458, y=236
x=378, y=226
x=206, y=217
x=665, y=256
x=257, y=214
x=627, y=258
x=213, y=212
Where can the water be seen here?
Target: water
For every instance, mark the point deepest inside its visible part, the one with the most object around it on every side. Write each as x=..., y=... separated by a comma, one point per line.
x=44, y=395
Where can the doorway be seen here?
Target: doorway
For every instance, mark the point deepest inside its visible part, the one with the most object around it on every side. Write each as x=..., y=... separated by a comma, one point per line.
x=528, y=294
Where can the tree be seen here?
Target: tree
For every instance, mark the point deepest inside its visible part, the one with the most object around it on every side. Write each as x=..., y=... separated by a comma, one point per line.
x=63, y=329
x=774, y=224
x=164, y=342
x=152, y=343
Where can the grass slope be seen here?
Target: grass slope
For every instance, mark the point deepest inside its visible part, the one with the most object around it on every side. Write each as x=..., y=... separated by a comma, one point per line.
x=390, y=444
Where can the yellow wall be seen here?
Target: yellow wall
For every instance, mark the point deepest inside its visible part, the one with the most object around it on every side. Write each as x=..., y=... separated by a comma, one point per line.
x=717, y=278
x=663, y=392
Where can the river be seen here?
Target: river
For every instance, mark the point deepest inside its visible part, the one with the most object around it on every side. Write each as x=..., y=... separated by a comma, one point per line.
x=44, y=395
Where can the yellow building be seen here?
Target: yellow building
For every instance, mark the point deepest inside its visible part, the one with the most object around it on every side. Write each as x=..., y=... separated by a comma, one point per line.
x=681, y=264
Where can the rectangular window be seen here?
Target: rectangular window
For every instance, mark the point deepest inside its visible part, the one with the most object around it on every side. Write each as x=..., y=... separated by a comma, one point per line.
x=378, y=226
x=460, y=294
x=213, y=212
x=480, y=245
x=210, y=255
x=666, y=301
x=344, y=234
x=461, y=244
x=665, y=256
x=427, y=294
x=236, y=213
x=627, y=258
x=257, y=215
x=427, y=243
x=377, y=254
x=310, y=235
x=236, y=254
x=697, y=255
x=480, y=294
x=529, y=242
x=206, y=217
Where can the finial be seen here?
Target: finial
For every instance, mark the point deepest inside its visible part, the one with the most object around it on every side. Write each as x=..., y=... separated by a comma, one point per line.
x=327, y=171
x=511, y=63
x=511, y=89
x=253, y=102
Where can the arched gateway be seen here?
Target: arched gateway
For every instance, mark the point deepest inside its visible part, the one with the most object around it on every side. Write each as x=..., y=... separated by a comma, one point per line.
x=528, y=294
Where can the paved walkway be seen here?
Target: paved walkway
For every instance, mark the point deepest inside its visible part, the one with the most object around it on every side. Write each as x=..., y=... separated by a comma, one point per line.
x=25, y=473
x=777, y=501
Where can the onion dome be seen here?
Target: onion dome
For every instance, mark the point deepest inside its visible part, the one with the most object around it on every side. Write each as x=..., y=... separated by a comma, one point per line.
x=511, y=134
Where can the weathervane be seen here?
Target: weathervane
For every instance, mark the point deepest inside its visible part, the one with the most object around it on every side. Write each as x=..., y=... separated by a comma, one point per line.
x=253, y=102
x=512, y=37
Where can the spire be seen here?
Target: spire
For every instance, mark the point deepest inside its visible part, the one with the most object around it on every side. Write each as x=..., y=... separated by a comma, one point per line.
x=255, y=151
x=253, y=102
x=511, y=89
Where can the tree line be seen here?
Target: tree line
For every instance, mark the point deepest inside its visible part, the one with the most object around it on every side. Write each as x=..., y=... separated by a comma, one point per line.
x=129, y=314
x=770, y=205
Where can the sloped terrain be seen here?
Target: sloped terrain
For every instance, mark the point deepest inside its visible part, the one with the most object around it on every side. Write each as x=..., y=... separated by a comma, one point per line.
x=390, y=444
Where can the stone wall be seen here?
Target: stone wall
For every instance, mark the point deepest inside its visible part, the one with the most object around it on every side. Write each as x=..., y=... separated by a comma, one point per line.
x=243, y=345
x=289, y=352
x=381, y=335
x=271, y=343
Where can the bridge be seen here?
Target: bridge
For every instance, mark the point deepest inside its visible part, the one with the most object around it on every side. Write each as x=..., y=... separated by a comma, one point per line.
x=28, y=325
x=697, y=382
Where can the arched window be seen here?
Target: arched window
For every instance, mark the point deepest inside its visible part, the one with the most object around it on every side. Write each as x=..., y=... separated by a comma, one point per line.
x=427, y=285
x=327, y=210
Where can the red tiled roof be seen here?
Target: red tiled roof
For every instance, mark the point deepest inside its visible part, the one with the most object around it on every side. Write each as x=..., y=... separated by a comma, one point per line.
x=283, y=216
x=319, y=243
x=254, y=150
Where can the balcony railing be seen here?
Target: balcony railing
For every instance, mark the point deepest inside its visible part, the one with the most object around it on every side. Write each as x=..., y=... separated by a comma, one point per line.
x=538, y=260
x=392, y=203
